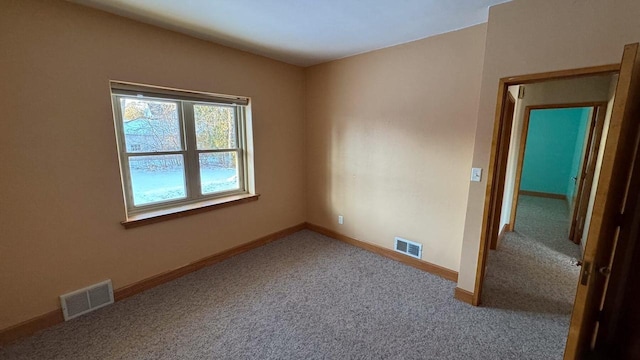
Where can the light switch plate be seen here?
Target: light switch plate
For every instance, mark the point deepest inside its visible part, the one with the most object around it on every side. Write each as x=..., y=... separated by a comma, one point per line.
x=476, y=174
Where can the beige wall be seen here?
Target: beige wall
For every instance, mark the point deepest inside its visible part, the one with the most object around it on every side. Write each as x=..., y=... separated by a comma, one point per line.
x=585, y=89
x=390, y=138
x=524, y=37
x=60, y=194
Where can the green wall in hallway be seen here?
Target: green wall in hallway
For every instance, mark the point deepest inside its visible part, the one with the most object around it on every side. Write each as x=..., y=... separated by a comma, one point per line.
x=554, y=149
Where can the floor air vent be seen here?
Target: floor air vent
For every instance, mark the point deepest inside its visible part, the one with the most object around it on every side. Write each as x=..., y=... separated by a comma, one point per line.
x=409, y=247
x=85, y=300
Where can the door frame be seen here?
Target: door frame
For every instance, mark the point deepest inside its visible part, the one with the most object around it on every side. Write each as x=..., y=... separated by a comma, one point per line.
x=503, y=157
x=587, y=172
x=595, y=105
x=496, y=171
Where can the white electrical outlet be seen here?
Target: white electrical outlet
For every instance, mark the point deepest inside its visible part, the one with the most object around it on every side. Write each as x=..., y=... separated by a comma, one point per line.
x=340, y=219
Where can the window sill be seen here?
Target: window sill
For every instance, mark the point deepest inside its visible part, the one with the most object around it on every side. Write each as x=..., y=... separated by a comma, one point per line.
x=186, y=210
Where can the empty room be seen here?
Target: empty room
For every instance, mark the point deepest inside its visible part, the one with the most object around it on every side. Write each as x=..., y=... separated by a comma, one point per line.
x=318, y=179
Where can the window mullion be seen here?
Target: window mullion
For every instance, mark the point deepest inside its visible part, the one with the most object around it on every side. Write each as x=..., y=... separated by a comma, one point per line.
x=191, y=161
x=238, y=128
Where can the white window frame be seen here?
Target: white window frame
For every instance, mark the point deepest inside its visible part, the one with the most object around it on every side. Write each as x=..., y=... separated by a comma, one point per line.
x=185, y=101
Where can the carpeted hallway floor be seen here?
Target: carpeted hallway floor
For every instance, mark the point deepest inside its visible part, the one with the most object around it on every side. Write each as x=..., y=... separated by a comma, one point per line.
x=536, y=262
x=310, y=297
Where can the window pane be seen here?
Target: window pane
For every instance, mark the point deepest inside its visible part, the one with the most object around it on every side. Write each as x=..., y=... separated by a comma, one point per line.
x=150, y=125
x=219, y=172
x=215, y=127
x=157, y=178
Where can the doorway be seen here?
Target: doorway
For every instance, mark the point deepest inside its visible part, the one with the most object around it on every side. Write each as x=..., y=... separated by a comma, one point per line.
x=615, y=163
x=534, y=268
x=586, y=91
x=557, y=159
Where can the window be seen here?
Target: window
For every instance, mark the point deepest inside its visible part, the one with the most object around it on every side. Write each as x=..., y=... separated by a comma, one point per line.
x=178, y=148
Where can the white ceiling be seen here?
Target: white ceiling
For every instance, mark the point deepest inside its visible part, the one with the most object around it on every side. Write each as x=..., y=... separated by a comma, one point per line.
x=304, y=32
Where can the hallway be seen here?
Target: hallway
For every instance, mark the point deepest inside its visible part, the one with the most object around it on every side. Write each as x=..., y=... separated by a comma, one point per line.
x=534, y=269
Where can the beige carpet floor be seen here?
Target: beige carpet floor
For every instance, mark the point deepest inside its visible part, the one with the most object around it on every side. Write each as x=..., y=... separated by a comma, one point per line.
x=311, y=297
x=534, y=268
